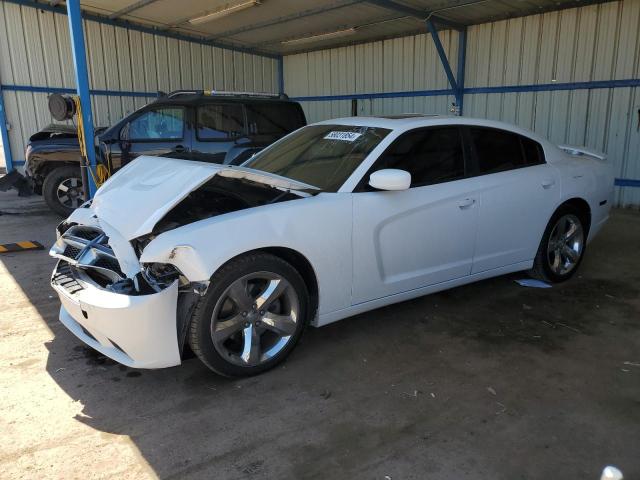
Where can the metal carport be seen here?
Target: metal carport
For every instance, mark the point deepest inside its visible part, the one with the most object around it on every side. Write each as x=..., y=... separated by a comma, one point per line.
x=569, y=70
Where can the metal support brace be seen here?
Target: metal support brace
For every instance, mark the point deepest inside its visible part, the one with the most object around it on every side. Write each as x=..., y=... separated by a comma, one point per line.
x=462, y=58
x=281, y=75
x=8, y=159
x=82, y=85
x=442, y=54
x=457, y=84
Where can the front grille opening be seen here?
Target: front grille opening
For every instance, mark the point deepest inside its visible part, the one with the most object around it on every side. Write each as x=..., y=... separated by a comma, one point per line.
x=86, y=233
x=65, y=279
x=71, y=252
x=109, y=264
x=86, y=332
x=100, y=279
x=118, y=347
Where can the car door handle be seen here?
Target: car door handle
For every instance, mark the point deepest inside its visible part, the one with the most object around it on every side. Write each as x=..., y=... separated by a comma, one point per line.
x=179, y=149
x=466, y=203
x=546, y=184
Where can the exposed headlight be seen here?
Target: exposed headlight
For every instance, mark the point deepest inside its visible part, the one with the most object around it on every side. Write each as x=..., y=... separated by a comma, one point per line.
x=161, y=275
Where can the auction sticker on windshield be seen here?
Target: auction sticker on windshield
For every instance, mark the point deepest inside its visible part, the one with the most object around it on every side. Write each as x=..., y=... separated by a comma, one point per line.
x=344, y=136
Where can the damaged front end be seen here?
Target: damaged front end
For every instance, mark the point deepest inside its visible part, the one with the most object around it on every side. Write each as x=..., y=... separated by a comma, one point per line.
x=88, y=271
x=87, y=248
x=135, y=311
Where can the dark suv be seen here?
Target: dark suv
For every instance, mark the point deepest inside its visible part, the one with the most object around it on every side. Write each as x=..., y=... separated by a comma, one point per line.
x=222, y=127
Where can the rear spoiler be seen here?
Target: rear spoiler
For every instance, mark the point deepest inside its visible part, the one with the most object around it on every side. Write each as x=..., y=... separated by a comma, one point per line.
x=580, y=151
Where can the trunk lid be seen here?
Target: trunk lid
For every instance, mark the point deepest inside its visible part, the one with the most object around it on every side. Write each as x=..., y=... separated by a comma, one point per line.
x=140, y=194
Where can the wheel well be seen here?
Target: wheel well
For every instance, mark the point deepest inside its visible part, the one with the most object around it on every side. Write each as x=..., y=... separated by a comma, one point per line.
x=48, y=167
x=304, y=268
x=582, y=210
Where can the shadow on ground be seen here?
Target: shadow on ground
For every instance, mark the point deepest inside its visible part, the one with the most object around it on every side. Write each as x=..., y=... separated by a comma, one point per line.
x=490, y=380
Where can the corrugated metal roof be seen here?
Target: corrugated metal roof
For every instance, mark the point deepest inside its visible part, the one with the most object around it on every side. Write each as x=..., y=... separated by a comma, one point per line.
x=267, y=25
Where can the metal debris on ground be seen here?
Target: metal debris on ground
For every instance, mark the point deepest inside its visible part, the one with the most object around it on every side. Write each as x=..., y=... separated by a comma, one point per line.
x=531, y=282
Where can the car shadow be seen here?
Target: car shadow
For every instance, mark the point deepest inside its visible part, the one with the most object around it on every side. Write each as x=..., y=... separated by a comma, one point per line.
x=339, y=406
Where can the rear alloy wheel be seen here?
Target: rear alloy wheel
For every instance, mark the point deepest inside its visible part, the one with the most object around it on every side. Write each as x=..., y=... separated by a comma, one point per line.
x=252, y=316
x=62, y=190
x=565, y=245
x=562, y=247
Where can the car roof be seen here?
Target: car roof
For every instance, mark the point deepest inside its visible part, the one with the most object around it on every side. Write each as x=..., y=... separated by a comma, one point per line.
x=199, y=99
x=404, y=122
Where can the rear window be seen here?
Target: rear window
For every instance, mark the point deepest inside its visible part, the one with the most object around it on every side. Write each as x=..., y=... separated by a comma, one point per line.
x=219, y=121
x=500, y=150
x=271, y=118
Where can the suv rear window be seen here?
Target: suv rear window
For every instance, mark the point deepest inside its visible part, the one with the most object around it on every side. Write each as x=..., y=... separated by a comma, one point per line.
x=273, y=118
x=219, y=121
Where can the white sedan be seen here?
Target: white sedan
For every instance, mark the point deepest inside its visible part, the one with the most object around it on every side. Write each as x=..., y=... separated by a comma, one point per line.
x=337, y=218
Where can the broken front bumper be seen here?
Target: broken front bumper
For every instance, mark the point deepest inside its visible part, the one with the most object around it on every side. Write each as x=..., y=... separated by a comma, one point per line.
x=137, y=330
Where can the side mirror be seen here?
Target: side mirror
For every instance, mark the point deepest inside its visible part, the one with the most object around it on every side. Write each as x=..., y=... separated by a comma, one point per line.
x=390, y=179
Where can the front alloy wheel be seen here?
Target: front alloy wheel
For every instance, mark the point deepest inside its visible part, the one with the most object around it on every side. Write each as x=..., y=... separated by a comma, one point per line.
x=255, y=318
x=251, y=317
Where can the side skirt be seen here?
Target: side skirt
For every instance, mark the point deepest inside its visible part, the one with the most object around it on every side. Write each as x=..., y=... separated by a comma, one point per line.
x=331, y=317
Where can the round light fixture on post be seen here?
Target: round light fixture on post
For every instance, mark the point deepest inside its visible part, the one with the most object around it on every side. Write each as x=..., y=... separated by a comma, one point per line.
x=62, y=107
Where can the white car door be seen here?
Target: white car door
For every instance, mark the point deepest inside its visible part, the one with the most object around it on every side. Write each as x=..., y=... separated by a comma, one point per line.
x=519, y=192
x=403, y=240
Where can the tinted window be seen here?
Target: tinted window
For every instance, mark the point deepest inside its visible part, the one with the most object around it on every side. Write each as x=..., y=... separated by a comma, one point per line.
x=273, y=118
x=496, y=150
x=533, y=153
x=159, y=124
x=220, y=122
x=430, y=155
x=321, y=155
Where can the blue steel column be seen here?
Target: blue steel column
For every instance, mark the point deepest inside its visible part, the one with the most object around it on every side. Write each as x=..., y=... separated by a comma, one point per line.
x=5, y=136
x=462, y=58
x=280, y=75
x=82, y=83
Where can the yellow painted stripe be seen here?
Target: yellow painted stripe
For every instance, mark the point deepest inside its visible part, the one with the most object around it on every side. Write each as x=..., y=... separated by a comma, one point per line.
x=3, y=248
x=27, y=245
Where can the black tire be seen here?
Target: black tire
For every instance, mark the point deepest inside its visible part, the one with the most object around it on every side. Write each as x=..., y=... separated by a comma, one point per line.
x=52, y=183
x=542, y=265
x=199, y=335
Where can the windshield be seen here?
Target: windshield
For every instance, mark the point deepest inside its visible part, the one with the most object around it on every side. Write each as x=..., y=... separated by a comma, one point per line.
x=320, y=155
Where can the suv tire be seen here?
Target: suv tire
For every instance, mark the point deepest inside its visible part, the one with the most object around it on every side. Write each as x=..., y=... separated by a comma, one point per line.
x=62, y=190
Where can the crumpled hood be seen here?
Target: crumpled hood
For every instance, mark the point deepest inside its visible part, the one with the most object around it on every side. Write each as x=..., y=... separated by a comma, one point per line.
x=140, y=194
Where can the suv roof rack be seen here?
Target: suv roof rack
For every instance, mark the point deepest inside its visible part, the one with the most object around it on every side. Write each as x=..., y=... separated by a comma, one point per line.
x=177, y=93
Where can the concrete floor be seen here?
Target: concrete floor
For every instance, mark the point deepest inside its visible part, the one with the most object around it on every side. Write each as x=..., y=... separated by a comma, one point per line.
x=491, y=380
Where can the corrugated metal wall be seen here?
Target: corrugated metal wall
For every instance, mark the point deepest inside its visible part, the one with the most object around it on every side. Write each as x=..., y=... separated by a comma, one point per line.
x=35, y=50
x=598, y=42
x=401, y=64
